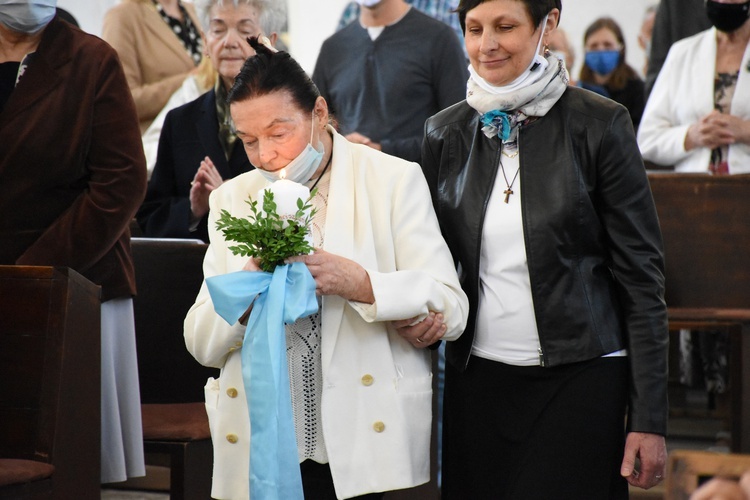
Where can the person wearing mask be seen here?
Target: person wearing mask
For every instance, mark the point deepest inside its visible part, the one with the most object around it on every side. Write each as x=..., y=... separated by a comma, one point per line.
x=72, y=175
x=605, y=70
x=198, y=148
x=697, y=118
x=384, y=75
x=558, y=385
x=361, y=386
x=159, y=44
x=675, y=20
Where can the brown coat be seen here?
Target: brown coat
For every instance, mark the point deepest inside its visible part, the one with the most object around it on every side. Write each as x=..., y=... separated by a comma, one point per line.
x=72, y=169
x=155, y=61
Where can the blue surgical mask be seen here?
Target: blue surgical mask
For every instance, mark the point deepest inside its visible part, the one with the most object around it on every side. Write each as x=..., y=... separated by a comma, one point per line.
x=27, y=16
x=302, y=168
x=603, y=62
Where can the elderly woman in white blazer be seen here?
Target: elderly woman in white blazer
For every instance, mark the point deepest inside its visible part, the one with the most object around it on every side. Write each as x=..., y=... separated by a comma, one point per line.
x=382, y=267
x=683, y=98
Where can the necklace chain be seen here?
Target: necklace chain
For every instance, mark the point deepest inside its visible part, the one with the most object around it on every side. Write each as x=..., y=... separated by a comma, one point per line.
x=509, y=190
x=324, y=170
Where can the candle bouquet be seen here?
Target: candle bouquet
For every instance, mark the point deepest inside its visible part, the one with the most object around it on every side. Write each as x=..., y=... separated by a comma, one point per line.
x=270, y=234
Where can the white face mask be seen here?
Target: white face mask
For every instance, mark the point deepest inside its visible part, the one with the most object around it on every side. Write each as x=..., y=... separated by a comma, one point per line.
x=27, y=16
x=535, y=70
x=560, y=55
x=302, y=168
x=368, y=3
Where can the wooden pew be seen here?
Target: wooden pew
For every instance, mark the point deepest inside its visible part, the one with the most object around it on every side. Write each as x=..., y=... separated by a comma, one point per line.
x=706, y=229
x=169, y=274
x=50, y=375
x=688, y=469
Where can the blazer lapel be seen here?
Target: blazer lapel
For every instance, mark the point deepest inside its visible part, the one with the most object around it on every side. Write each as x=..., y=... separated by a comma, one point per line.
x=155, y=24
x=339, y=236
x=207, y=127
x=741, y=100
x=42, y=75
x=703, y=79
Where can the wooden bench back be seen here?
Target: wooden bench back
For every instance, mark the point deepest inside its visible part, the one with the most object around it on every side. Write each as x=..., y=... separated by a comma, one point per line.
x=705, y=222
x=168, y=275
x=50, y=374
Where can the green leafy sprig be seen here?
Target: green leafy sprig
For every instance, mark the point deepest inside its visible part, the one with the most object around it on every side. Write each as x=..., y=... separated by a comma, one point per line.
x=265, y=235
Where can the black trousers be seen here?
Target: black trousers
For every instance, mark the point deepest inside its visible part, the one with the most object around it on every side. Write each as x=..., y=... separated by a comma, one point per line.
x=317, y=483
x=535, y=433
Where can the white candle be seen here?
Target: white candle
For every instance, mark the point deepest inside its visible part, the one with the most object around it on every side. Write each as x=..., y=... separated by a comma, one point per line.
x=285, y=195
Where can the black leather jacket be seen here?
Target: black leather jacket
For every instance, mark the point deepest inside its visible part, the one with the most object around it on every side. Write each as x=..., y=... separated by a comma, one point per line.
x=593, y=243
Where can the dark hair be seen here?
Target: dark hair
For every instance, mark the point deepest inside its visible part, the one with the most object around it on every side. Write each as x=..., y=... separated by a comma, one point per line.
x=537, y=9
x=623, y=72
x=267, y=72
x=67, y=16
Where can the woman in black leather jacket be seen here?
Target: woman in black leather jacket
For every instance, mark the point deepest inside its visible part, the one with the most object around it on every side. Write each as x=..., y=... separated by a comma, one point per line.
x=559, y=382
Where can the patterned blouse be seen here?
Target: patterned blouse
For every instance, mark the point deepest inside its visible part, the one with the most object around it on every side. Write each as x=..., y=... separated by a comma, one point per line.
x=724, y=87
x=185, y=30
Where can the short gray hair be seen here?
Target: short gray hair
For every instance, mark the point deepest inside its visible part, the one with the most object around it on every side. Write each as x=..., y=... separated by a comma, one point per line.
x=272, y=13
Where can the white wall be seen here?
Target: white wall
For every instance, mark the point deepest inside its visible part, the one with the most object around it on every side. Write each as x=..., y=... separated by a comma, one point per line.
x=312, y=21
x=88, y=13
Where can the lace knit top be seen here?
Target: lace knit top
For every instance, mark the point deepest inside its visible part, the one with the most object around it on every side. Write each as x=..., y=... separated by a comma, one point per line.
x=303, y=356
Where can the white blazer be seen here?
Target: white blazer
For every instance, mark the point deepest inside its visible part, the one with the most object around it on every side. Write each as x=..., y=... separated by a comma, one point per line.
x=377, y=434
x=682, y=95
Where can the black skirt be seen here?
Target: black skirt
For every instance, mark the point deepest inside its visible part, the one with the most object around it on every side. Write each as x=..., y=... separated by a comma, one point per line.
x=529, y=433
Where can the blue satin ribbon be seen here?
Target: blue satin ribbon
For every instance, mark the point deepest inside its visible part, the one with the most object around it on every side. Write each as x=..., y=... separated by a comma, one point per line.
x=497, y=122
x=282, y=297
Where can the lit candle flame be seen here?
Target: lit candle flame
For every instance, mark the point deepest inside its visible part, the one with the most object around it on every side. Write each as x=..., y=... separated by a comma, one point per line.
x=282, y=174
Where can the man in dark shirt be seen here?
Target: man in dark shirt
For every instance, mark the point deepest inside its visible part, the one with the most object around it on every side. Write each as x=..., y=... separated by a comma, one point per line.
x=386, y=74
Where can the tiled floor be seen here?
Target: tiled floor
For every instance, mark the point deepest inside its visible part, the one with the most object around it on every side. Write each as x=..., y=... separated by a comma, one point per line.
x=133, y=495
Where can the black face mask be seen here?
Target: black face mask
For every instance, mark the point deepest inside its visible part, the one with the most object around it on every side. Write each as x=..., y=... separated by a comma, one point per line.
x=727, y=17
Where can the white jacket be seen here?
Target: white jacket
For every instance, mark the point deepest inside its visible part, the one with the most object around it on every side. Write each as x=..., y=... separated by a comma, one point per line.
x=682, y=95
x=380, y=215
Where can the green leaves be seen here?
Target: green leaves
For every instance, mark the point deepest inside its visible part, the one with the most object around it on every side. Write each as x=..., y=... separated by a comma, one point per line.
x=266, y=235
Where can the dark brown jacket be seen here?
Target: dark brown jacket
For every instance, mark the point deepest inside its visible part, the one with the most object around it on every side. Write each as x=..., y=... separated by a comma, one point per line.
x=72, y=169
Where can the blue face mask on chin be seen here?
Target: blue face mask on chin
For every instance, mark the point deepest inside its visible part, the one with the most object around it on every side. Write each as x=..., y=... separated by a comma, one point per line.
x=603, y=62
x=26, y=16
x=301, y=168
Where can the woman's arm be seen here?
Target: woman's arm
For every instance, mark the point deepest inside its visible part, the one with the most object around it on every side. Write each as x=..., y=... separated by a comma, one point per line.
x=208, y=337
x=426, y=279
